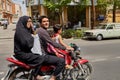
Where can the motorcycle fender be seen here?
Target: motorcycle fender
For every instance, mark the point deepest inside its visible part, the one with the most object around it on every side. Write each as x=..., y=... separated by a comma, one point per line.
x=81, y=61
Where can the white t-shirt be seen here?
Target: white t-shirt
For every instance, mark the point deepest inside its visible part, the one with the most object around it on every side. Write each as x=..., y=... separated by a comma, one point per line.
x=57, y=39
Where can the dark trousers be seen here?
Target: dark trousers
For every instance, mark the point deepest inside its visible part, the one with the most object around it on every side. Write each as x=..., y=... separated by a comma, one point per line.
x=54, y=60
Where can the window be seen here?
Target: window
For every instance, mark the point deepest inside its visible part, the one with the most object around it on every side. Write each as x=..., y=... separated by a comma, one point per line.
x=117, y=26
x=110, y=26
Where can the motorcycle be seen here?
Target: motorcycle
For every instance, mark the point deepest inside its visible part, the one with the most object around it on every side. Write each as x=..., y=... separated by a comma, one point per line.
x=82, y=69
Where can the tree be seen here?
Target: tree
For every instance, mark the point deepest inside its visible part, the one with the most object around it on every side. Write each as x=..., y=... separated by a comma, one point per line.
x=101, y=4
x=93, y=15
x=115, y=3
x=86, y=3
x=56, y=6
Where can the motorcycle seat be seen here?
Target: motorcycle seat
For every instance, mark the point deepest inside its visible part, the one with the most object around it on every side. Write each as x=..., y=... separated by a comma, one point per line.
x=19, y=63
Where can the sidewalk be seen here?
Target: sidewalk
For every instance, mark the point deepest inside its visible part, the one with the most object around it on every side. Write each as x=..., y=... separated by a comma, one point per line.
x=7, y=33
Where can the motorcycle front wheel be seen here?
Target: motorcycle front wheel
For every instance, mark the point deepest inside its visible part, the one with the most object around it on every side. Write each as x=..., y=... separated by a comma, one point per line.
x=82, y=74
x=20, y=74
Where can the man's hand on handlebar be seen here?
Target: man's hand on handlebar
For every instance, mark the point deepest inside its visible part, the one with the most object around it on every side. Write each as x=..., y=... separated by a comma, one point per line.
x=69, y=48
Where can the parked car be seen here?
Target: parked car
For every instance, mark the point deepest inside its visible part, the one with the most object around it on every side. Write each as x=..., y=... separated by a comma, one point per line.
x=2, y=20
x=104, y=30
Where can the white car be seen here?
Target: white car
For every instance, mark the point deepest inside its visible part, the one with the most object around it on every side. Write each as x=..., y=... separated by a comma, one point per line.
x=104, y=30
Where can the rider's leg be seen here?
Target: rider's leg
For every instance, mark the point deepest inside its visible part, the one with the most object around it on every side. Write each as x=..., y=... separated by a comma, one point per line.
x=58, y=62
x=37, y=73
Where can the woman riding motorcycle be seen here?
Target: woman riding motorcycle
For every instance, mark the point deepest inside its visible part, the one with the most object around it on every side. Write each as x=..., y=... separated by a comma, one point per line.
x=23, y=42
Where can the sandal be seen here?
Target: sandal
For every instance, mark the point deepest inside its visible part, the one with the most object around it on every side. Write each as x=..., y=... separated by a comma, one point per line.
x=68, y=67
x=39, y=77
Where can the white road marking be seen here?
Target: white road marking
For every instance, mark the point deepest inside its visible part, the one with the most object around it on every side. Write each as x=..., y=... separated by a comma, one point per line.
x=118, y=57
x=98, y=60
x=105, y=59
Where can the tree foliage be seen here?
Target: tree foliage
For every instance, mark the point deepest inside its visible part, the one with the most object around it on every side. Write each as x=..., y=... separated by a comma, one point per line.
x=114, y=1
x=102, y=3
x=56, y=4
x=82, y=4
x=116, y=4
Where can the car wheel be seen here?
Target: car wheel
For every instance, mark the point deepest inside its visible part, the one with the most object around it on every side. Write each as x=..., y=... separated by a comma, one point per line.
x=99, y=37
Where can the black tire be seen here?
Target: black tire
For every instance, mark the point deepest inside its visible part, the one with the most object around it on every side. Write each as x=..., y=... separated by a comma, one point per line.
x=76, y=73
x=99, y=37
x=20, y=74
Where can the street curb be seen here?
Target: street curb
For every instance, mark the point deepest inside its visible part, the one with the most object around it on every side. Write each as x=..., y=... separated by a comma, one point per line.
x=6, y=38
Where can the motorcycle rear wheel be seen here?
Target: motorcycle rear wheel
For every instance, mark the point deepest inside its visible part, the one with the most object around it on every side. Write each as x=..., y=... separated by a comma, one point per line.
x=20, y=74
x=77, y=74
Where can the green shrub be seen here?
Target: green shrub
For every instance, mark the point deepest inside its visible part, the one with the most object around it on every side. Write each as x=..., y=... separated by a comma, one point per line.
x=77, y=34
x=68, y=33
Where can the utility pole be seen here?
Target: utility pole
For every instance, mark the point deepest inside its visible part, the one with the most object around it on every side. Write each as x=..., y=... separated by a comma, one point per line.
x=93, y=14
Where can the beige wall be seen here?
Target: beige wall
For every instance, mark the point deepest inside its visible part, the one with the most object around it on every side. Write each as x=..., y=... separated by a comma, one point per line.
x=18, y=10
x=43, y=10
x=110, y=17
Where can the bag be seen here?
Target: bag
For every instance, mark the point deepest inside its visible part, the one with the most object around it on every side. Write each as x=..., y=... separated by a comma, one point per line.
x=36, y=49
x=52, y=49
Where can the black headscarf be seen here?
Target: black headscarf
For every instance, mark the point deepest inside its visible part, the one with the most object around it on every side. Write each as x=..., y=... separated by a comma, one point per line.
x=22, y=23
x=23, y=41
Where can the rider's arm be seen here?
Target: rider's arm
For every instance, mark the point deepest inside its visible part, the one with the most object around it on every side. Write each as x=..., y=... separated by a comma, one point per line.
x=43, y=34
x=62, y=43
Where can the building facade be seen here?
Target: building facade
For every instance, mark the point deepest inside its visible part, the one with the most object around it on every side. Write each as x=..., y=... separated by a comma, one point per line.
x=109, y=14
x=35, y=8
x=9, y=10
x=16, y=12
x=6, y=9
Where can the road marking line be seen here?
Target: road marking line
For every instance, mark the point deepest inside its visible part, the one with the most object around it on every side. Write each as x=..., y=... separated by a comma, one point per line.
x=105, y=59
x=118, y=57
x=98, y=60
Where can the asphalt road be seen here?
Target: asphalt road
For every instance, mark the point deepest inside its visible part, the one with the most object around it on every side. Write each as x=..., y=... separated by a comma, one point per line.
x=103, y=55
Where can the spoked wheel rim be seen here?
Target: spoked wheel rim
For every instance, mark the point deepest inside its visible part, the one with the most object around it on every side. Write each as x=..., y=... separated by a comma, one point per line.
x=20, y=74
x=78, y=75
